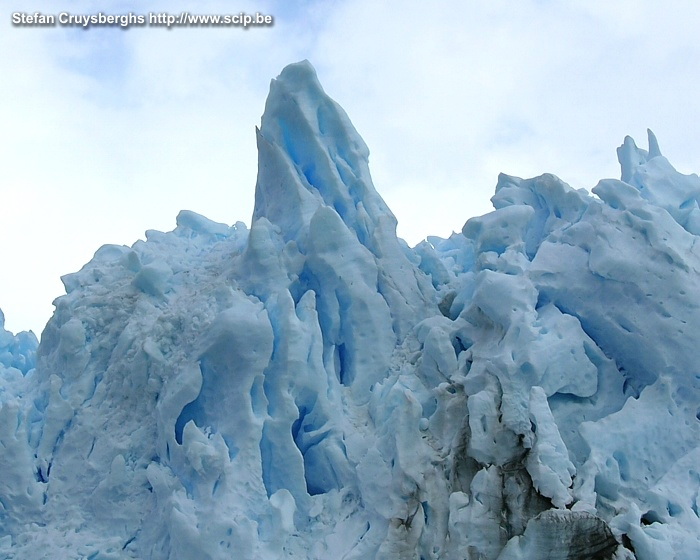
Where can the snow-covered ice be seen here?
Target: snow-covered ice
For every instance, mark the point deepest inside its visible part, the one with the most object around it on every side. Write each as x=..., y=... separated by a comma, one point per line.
x=314, y=388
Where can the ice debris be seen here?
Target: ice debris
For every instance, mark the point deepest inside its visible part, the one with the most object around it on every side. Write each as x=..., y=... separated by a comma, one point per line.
x=314, y=388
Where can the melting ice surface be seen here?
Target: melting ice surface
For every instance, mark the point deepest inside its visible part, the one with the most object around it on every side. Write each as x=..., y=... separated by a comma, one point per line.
x=314, y=388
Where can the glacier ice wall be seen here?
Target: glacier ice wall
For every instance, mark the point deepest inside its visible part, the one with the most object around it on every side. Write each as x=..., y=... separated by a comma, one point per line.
x=314, y=388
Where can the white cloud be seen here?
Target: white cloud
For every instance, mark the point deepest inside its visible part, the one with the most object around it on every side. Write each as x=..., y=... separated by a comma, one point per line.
x=108, y=133
x=453, y=93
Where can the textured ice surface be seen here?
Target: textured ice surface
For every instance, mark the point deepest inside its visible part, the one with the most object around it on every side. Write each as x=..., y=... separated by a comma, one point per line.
x=314, y=388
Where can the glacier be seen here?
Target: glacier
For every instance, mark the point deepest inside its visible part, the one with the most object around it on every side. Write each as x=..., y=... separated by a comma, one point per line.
x=313, y=387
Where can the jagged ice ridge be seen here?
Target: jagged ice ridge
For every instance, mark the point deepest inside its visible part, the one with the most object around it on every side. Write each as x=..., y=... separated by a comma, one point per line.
x=314, y=388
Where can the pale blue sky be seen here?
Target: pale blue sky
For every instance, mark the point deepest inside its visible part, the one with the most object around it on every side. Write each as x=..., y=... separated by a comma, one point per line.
x=107, y=133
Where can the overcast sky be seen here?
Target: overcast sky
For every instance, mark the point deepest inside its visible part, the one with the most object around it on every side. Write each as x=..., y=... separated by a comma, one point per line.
x=107, y=133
